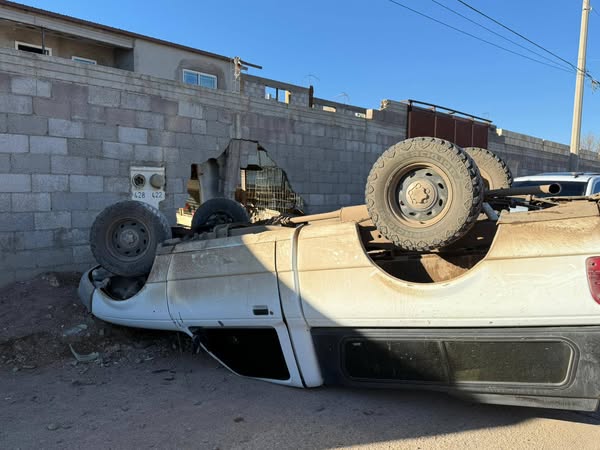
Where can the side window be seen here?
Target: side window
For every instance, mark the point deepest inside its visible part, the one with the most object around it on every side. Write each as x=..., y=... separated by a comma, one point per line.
x=32, y=48
x=199, y=79
x=596, y=187
x=83, y=60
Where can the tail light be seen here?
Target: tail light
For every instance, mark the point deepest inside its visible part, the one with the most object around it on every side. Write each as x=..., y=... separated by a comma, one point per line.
x=593, y=274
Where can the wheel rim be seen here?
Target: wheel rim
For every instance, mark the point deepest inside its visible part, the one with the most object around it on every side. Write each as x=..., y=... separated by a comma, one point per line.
x=419, y=195
x=218, y=218
x=129, y=239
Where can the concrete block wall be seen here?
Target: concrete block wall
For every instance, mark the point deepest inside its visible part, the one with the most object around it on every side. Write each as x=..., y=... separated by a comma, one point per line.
x=527, y=155
x=69, y=134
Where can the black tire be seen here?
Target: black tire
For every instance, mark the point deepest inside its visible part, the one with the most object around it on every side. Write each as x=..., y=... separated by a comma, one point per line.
x=217, y=211
x=124, y=237
x=494, y=171
x=424, y=193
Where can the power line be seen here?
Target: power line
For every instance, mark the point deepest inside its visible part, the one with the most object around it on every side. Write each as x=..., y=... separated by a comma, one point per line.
x=528, y=40
x=493, y=32
x=476, y=37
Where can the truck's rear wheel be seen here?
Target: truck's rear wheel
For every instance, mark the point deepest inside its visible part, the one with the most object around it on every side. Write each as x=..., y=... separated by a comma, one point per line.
x=424, y=193
x=217, y=211
x=493, y=169
x=124, y=237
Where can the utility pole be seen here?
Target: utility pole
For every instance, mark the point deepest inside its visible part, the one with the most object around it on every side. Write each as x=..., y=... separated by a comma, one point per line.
x=579, y=85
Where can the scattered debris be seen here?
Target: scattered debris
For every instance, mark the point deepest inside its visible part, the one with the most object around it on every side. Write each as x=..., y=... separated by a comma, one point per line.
x=52, y=279
x=75, y=330
x=90, y=357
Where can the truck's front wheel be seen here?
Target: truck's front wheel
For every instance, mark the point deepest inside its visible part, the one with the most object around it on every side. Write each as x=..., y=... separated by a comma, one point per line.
x=124, y=237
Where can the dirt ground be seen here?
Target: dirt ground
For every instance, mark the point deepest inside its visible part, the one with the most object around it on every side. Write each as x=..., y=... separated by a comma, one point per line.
x=146, y=389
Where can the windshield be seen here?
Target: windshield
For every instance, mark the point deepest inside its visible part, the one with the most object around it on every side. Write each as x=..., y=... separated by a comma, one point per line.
x=568, y=188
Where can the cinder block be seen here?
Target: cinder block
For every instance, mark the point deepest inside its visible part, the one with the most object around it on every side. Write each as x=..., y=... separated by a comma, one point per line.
x=30, y=86
x=175, y=185
x=171, y=154
x=5, y=204
x=190, y=109
x=69, y=201
x=15, y=183
x=161, y=138
x=117, y=184
x=163, y=106
x=83, y=219
x=68, y=165
x=122, y=117
x=30, y=202
x=48, y=107
x=102, y=166
x=51, y=258
x=150, y=120
x=48, y=145
x=130, y=100
x=3, y=123
x=16, y=104
x=14, y=143
x=178, y=123
x=7, y=242
x=210, y=113
x=16, y=222
x=4, y=82
x=30, y=240
x=82, y=254
x=28, y=163
x=218, y=129
x=103, y=199
x=198, y=126
x=104, y=96
x=148, y=153
x=20, y=260
x=49, y=183
x=84, y=147
x=100, y=132
x=67, y=238
x=52, y=220
x=117, y=150
x=43, y=88
x=133, y=135
x=65, y=128
x=70, y=92
x=89, y=113
x=86, y=183
x=22, y=124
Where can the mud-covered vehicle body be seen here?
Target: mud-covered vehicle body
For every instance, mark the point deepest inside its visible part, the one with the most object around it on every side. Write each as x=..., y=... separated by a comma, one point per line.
x=506, y=313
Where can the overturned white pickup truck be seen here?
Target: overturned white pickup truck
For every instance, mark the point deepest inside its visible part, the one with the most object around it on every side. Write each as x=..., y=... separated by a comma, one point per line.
x=416, y=289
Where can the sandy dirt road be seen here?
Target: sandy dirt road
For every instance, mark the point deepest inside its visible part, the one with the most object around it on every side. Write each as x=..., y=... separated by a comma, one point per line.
x=148, y=391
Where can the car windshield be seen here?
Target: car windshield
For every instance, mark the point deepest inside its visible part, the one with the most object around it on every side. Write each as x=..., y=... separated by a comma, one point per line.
x=568, y=188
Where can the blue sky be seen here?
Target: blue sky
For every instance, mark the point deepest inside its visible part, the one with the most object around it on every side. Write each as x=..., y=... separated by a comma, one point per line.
x=361, y=52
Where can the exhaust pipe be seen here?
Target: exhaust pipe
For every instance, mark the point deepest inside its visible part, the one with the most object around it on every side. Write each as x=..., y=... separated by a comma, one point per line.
x=552, y=189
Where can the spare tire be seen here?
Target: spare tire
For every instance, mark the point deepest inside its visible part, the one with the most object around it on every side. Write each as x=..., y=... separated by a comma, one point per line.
x=494, y=171
x=424, y=193
x=217, y=211
x=124, y=237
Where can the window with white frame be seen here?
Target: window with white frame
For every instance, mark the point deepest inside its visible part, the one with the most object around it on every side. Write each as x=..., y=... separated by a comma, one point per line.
x=32, y=48
x=199, y=79
x=83, y=60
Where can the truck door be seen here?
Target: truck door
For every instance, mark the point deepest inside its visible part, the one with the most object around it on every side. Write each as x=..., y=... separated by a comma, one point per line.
x=225, y=292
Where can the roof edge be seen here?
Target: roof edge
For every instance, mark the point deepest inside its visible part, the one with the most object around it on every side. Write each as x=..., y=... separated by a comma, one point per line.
x=31, y=9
